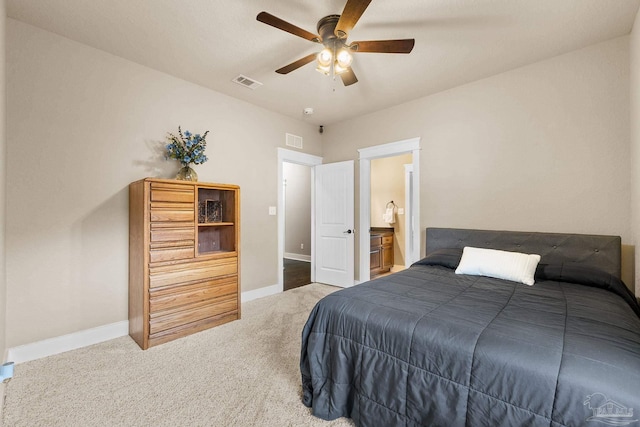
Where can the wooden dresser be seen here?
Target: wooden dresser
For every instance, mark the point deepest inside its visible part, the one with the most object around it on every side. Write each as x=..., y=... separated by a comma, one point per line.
x=184, y=253
x=381, y=251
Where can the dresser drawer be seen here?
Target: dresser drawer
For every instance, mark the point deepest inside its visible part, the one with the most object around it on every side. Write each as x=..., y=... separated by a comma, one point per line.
x=172, y=234
x=171, y=214
x=165, y=192
x=376, y=241
x=159, y=323
x=171, y=253
x=174, y=299
x=191, y=328
x=387, y=240
x=191, y=272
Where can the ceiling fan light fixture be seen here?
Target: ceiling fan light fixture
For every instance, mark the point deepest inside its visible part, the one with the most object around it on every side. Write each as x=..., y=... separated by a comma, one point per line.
x=338, y=69
x=333, y=31
x=344, y=58
x=325, y=57
x=326, y=70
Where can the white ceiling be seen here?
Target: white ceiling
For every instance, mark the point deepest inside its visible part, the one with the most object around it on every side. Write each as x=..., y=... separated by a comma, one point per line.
x=210, y=42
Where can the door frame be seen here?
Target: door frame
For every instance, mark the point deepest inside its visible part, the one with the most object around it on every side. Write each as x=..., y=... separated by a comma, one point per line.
x=405, y=146
x=409, y=218
x=290, y=156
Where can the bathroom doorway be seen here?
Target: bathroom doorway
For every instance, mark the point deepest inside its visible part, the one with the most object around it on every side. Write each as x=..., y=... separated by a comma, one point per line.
x=411, y=210
x=388, y=225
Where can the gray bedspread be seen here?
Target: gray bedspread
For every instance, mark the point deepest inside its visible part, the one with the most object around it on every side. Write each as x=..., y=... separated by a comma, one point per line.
x=427, y=347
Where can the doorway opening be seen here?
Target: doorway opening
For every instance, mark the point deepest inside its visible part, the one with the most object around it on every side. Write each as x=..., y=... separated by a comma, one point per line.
x=389, y=207
x=297, y=228
x=412, y=200
x=294, y=157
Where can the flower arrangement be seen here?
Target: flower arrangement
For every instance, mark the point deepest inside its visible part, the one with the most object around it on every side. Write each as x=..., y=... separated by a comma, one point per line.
x=187, y=148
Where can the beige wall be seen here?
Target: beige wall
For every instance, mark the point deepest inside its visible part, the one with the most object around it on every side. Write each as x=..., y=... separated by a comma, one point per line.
x=634, y=48
x=544, y=147
x=83, y=125
x=387, y=184
x=297, y=208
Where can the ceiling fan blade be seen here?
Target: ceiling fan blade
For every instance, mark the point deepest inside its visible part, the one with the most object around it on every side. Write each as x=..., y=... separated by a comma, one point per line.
x=274, y=21
x=349, y=77
x=297, y=64
x=383, y=46
x=353, y=10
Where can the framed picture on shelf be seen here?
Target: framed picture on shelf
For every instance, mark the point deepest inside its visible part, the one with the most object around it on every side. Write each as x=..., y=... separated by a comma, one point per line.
x=214, y=211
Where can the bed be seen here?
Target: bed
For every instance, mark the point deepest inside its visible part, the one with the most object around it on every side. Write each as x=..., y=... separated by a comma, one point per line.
x=429, y=347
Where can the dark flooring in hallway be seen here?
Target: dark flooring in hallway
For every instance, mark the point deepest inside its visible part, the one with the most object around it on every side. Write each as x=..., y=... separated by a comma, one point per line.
x=296, y=273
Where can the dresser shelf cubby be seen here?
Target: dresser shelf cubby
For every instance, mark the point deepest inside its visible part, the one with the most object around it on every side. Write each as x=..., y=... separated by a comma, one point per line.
x=216, y=230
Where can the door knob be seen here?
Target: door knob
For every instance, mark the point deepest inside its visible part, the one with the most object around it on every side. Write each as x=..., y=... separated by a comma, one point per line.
x=348, y=232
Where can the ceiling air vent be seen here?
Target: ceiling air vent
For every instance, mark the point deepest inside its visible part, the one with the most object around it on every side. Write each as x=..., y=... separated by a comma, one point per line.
x=294, y=141
x=247, y=82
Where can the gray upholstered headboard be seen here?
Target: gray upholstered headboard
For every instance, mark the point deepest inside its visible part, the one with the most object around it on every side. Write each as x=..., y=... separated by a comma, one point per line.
x=597, y=251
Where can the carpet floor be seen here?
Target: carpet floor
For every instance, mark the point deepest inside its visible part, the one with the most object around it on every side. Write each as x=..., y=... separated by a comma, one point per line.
x=244, y=373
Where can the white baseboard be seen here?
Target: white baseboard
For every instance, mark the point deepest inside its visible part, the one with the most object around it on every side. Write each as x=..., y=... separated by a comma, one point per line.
x=51, y=346
x=87, y=337
x=297, y=257
x=260, y=293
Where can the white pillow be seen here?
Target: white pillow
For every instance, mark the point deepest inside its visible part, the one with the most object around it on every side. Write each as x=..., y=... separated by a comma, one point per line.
x=505, y=265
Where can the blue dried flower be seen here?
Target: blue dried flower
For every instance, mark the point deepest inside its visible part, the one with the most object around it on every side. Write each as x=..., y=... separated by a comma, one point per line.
x=187, y=148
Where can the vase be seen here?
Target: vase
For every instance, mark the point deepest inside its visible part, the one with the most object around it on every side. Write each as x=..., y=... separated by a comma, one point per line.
x=187, y=174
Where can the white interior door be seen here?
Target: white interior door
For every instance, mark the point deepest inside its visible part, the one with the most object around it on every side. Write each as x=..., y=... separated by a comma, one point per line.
x=334, y=222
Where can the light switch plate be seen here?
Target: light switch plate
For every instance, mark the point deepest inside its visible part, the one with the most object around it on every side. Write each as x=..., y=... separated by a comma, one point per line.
x=272, y=210
x=400, y=211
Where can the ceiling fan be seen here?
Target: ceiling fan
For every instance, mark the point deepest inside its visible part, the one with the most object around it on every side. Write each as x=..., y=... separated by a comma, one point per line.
x=333, y=30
